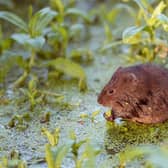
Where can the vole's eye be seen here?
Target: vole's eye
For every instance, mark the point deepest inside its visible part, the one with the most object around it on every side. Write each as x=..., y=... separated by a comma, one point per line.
x=110, y=92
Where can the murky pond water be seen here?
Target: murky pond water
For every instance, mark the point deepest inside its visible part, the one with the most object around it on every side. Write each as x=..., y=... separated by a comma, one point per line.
x=111, y=138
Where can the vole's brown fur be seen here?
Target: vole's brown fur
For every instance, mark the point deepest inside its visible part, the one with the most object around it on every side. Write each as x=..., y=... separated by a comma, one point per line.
x=138, y=93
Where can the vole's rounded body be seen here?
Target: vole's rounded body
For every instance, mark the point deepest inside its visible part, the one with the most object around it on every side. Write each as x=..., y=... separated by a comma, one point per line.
x=138, y=93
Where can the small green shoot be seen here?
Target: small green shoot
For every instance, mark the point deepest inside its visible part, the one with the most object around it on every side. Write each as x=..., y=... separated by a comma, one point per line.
x=53, y=138
x=36, y=96
x=75, y=146
x=20, y=122
x=88, y=157
x=31, y=92
x=55, y=154
x=45, y=118
x=12, y=161
x=90, y=117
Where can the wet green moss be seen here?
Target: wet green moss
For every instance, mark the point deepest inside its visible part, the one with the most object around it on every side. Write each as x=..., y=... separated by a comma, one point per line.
x=120, y=136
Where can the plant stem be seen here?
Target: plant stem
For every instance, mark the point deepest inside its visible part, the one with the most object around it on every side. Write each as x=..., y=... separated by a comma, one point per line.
x=21, y=79
x=32, y=58
x=50, y=93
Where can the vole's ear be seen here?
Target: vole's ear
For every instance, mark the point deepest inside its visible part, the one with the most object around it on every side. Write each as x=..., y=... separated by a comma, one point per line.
x=132, y=77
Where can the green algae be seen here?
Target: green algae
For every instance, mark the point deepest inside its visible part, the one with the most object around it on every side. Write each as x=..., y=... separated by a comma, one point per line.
x=120, y=136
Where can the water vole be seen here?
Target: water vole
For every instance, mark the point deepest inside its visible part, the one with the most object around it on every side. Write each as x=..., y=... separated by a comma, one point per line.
x=138, y=93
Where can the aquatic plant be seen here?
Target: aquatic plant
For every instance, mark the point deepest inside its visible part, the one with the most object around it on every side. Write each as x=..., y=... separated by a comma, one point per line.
x=12, y=161
x=56, y=153
x=146, y=156
x=144, y=38
x=46, y=29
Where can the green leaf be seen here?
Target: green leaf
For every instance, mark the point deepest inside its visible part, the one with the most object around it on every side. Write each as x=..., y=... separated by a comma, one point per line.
x=153, y=19
x=40, y=20
x=25, y=39
x=77, y=12
x=111, y=45
x=108, y=33
x=70, y=68
x=36, y=43
x=61, y=152
x=143, y=6
x=14, y=19
x=131, y=34
x=95, y=113
x=163, y=20
x=158, y=9
x=53, y=138
x=32, y=84
x=111, y=15
x=89, y=155
x=49, y=156
x=125, y=7
x=21, y=38
x=58, y=5
x=64, y=35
